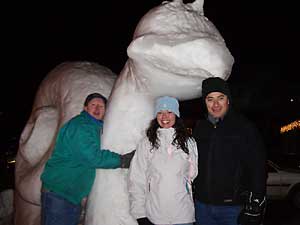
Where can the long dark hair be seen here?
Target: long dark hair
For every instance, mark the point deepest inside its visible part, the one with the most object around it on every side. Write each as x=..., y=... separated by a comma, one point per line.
x=181, y=137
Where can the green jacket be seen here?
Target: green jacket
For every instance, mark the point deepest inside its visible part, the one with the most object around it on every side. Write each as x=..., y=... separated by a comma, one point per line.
x=71, y=170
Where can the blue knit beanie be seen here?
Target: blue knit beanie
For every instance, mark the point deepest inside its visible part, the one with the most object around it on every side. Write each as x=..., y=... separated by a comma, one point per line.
x=167, y=103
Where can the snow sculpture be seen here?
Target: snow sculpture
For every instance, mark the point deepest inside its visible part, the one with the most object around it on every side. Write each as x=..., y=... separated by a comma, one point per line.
x=174, y=48
x=6, y=206
x=60, y=97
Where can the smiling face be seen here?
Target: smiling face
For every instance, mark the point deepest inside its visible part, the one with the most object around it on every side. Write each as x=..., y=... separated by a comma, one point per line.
x=96, y=108
x=217, y=104
x=166, y=119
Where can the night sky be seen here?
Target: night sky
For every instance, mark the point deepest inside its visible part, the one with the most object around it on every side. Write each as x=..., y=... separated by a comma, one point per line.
x=262, y=35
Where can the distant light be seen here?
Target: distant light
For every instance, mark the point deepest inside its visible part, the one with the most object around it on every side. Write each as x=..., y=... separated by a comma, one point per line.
x=291, y=100
x=11, y=161
x=291, y=126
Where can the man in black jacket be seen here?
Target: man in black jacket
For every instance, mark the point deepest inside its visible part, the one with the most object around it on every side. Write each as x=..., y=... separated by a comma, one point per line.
x=231, y=183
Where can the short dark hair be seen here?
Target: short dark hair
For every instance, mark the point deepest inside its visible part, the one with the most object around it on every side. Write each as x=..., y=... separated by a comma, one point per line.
x=92, y=96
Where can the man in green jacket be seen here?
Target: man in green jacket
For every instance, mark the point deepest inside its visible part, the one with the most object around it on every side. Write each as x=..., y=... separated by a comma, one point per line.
x=70, y=172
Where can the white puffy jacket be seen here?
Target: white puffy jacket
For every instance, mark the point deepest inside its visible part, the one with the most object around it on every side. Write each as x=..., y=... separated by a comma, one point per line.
x=159, y=180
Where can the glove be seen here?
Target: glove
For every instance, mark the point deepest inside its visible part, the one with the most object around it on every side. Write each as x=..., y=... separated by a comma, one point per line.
x=126, y=159
x=253, y=211
x=144, y=221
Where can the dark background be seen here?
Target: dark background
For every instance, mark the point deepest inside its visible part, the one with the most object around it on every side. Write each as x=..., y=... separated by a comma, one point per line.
x=263, y=37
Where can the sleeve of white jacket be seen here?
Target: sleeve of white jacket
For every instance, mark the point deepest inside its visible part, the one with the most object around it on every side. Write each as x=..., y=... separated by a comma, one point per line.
x=137, y=181
x=192, y=146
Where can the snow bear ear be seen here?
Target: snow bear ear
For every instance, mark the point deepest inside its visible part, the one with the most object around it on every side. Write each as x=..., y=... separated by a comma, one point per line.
x=38, y=134
x=198, y=5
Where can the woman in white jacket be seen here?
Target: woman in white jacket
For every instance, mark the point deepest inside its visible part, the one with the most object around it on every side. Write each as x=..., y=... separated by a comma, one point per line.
x=162, y=170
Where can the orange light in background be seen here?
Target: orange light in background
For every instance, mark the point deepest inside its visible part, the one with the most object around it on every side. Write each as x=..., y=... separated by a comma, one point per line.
x=291, y=126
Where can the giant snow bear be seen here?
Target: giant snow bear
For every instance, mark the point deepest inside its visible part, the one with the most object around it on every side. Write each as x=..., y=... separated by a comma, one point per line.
x=59, y=98
x=174, y=48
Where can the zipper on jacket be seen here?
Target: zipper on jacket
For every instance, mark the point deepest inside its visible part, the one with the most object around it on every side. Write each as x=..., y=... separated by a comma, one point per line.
x=210, y=159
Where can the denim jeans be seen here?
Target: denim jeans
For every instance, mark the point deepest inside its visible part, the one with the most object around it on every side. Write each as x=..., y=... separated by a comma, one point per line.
x=216, y=215
x=58, y=211
x=183, y=224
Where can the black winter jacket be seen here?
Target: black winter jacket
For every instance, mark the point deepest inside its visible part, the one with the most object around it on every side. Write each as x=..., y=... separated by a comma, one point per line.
x=231, y=160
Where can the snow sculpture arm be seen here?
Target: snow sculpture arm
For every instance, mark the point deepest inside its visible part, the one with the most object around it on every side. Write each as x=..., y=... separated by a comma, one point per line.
x=35, y=141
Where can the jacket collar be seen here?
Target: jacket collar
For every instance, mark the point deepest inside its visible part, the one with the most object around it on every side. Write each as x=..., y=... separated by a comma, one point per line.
x=98, y=122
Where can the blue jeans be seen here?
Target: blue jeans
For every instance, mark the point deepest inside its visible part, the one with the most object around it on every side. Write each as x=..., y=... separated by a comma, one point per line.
x=183, y=224
x=216, y=215
x=58, y=211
